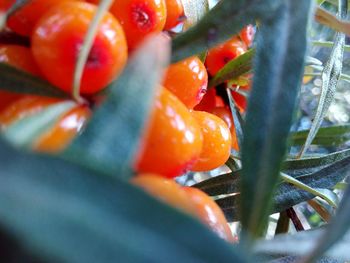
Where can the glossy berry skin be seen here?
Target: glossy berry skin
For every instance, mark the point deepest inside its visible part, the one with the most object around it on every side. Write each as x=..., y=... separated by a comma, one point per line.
x=172, y=141
x=218, y=56
x=247, y=35
x=57, y=137
x=216, y=141
x=175, y=11
x=58, y=37
x=209, y=213
x=19, y=57
x=190, y=200
x=188, y=80
x=6, y=98
x=139, y=18
x=24, y=19
x=166, y=190
x=225, y=114
x=208, y=101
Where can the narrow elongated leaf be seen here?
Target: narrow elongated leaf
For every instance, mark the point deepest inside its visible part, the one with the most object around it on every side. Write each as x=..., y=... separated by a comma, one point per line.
x=301, y=243
x=285, y=196
x=219, y=24
x=234, y=68
x=123, y=114
x=15, y=80
x=339, y=226
x=278, y=71
x=330, y=78
x=194, y=10
x=24, y=132
x=298, y=168
x=326, y=136
x=65, y=213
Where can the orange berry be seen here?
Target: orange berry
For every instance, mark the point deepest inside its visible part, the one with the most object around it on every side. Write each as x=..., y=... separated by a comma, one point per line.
x=165, y=190
x=175, y=11
x=225, y=114
x=173, y=140
x=247, y=35
x=216, y=141
x=187, y=199
x=57, y=40
x=188, y=80
x=64, y=131
x=56, y=138
x=139, y=18
x=218, y=56
x=240, y=100
x=24, y=19
x=209, y=213
x=19, y=57
x=6, y=98
x=208, y=102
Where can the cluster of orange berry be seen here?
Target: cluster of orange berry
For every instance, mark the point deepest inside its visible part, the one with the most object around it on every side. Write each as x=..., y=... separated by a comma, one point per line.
x=186, y=132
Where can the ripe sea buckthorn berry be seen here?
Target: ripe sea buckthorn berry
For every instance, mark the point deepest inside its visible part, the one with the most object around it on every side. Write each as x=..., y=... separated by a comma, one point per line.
x=166, y=190
x=173, y=141
x=216, y=141
x=139, y=18
x=225, y=114
x=189, y=200
x=240, y=100
x=6, y=98
x=24, y=19
x=208, y=102
x=56, y=138
x=210, y=213
x=218, y=56
x=188, y=80
x=57, y=40
x=175, y=11
x=19, y=57
x=247, y=35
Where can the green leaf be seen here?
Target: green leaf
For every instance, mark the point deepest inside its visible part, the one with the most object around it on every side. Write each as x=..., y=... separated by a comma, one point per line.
x=326, y=136
x=278, y=71
x=26, y=131
x=15, y=80
x=234, y=68
x=237, y=121
x=285, y=196
x=339, y=226
x=301, y=243
x=194, y=10
x=330, y=78
x=111, y=139
x=65, y=213
x=219, y=24
x=297, y=168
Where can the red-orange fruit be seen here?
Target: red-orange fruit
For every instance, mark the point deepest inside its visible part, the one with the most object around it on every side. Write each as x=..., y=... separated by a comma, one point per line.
x=175, y=11
x=24, y=19
x=247, y=35
x=57, y=40
x=56, y=138
x=225, y=114
x=173, y=141
x=218, y=56
x=210, y=213
x=216, y=141
x=188, y=80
